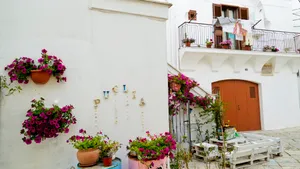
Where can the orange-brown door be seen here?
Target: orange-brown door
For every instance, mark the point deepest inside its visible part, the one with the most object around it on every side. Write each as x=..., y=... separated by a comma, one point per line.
x=241, y=103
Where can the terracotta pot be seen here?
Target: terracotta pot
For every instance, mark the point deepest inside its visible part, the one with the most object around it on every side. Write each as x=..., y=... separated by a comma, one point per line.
x=107, y=161
x=247, y=48
x=188, y=44
x=88, y=157
x=208, y=46
x=39, y=76
x=225, y=47
x=175, y=87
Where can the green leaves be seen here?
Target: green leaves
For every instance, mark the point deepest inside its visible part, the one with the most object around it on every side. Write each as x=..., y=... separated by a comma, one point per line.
x=5, y=85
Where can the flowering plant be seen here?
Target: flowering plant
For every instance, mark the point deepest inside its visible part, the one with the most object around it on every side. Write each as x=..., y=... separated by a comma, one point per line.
x=176, y=97
x=20, y=69
x=274, y=49
x=187, y=40
x=43, y=123
x=155, y=147
x=52, y=65
x=226, y=42
x=209, y=42
x=84, y=141
x=109, y=148
x=5, y=85
x=203, y=102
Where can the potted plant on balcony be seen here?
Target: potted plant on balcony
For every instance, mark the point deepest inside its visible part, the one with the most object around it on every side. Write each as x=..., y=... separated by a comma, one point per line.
x=151, y=152
x=267, y=48
x=48, y=65
x=247, y=46
x=209, y=43
x=108, y=148
x=298, y=50
x=88, y=147
x=274, y=49
x=226, y=44
x=188, y=41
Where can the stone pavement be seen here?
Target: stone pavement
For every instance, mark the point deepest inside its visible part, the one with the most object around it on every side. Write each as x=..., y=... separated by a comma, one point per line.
x=290, y=159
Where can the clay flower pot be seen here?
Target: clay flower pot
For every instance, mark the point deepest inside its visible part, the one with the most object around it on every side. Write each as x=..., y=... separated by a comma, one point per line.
x=226, y=46
x=175, y=87
x=208, y=45
x=107, y=161
x=188, y=44
x=88, y=157
x=247, y=48
x=39, y=76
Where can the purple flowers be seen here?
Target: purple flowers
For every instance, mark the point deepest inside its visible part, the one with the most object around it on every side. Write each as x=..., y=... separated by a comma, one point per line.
x=226, y=42
x=43, y=123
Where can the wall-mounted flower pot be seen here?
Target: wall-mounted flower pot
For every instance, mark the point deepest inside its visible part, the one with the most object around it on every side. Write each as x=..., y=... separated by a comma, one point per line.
x=39, y=76
x=88, y=158
x=107, y=161
x=188, y=44
x=225, y=46
x=208, y=46
x=175, y=87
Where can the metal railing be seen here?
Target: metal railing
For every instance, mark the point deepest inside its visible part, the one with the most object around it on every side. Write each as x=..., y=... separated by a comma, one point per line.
x=284, y=41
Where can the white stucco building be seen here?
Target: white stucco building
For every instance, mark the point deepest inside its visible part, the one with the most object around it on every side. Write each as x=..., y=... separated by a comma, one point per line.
x=105, y=43
x=255, y=100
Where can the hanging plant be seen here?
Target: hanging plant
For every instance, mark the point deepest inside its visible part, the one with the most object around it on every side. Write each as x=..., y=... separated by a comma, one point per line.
x=43, y=122
x=21, y=68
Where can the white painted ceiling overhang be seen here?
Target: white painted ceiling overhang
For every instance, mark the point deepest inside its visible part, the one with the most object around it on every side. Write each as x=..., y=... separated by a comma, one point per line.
x=191, y=57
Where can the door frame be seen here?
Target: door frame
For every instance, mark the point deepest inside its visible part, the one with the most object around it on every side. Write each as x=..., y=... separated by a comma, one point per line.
x=260, y=100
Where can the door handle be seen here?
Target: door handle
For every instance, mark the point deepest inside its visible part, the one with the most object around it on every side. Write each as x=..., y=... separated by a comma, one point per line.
x=239, y=107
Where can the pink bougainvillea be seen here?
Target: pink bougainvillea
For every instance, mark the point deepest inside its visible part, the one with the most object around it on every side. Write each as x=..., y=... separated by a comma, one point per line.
x=43, y=123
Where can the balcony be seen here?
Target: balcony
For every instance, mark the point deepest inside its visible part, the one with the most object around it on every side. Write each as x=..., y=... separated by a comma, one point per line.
x=288, y=44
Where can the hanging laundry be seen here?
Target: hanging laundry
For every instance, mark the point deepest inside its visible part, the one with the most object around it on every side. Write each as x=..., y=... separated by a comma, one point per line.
x=239, y=31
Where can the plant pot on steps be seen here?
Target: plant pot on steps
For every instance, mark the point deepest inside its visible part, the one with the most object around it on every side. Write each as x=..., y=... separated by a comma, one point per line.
x=88, y=158
x=40, y=76
x=107, y=161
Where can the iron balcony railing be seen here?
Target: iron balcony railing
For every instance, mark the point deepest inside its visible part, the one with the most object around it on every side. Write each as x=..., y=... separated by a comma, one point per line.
x=285, y=41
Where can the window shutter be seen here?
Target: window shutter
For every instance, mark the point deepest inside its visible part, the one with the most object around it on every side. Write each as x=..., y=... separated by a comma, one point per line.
x=217, y=10
x=244, y=13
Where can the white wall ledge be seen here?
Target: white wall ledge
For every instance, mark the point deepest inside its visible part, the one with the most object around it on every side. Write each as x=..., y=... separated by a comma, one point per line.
x=146, y=8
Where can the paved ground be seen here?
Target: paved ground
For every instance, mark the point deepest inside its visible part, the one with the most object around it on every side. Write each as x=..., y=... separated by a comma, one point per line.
x=291, y=156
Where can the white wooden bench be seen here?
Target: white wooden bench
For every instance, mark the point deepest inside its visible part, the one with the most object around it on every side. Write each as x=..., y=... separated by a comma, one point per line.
x=206, y=151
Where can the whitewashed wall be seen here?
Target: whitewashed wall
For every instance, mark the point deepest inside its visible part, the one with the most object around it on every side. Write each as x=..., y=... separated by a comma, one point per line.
x=279, y=99
x=116, y=43
x=267, y=10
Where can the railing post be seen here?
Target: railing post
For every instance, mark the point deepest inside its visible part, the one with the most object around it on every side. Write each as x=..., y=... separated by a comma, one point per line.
x=189, y=125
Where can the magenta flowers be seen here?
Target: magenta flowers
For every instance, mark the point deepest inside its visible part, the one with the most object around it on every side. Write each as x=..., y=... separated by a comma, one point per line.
x=154, y=147
x=20, y=68
x=43, y=123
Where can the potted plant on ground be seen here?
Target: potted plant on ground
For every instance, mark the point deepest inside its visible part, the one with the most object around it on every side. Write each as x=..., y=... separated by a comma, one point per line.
x=43, y=122
x=151, y=152
x=48, y=65
x=226, y=44
x=188, y=41
x=274, y=49
x=20, y=69
x=247, y=46
x=209, y=43
x=107, y=150
x=88, y=147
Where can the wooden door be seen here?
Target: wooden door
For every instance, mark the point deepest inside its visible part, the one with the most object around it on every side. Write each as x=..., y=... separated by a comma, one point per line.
x=241, y=103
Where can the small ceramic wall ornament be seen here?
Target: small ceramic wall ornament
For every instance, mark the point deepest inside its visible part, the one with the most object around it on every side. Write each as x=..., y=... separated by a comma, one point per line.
x=133, y=94
x=96, y=103
x=142, y=102
x=106, y=94
x=125, y=90
x=115, y=89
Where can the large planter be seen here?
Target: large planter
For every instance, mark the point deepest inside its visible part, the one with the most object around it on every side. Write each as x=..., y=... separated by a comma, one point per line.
x=39, y=76
x=88, y=157
x=175, y=87
x=134, y=163
x=188, y=44
x=247, y=48
x=225, y=46
x=107, y=161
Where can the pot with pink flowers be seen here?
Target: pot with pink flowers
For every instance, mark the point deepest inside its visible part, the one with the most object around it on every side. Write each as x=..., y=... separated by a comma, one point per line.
x=88, y=147
x=151, y=151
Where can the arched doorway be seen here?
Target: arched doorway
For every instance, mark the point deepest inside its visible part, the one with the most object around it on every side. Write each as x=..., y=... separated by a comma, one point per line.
x=241, y=103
